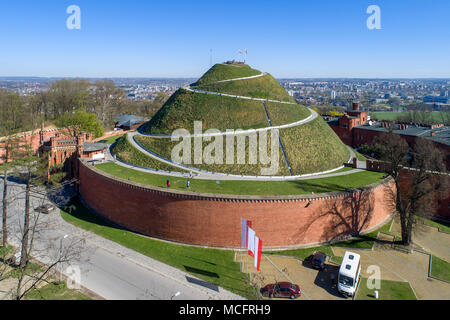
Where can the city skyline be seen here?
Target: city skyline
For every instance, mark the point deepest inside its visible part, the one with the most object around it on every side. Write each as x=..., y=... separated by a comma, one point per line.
x=302, y=40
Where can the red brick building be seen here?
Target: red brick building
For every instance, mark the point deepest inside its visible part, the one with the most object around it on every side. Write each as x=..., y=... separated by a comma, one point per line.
x=60, y=145
x=355, y=129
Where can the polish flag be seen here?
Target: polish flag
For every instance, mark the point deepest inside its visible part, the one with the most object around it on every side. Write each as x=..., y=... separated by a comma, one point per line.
x=246, y=51
x=258, y=252
x=251, y=242
x=240, y=52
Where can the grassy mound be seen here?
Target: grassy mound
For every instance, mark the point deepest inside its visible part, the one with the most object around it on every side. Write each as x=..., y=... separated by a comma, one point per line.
x=164, y=147
x=221, y=72
x=218, y=112
x=313, y=147
x=265, y=87
x=281, y=114
x=310, y=148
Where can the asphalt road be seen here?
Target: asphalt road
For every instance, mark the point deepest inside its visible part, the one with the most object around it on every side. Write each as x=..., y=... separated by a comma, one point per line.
x=108, y=269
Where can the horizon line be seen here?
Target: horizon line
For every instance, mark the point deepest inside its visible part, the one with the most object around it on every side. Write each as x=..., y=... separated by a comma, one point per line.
x=192, y=77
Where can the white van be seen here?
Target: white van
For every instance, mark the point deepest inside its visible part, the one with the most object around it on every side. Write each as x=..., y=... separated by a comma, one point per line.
x=349, y=274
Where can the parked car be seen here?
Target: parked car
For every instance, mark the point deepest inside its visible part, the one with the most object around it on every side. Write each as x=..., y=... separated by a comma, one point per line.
x=281, y=290
x=46, y=208
x=318, y=260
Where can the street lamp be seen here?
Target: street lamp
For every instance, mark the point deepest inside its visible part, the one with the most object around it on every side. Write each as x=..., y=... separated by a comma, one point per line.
x=175, y=295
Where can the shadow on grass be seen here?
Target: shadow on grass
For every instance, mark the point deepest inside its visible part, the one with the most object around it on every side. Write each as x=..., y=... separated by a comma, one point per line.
x=77, y=210
x=201, y=272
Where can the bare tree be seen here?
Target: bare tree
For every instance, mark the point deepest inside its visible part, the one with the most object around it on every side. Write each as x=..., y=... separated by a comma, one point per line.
x=420, y=179
x=40, y=241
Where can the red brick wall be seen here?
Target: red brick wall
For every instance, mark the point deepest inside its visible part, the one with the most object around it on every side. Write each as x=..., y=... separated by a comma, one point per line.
x=215, y=220
x=443, y=207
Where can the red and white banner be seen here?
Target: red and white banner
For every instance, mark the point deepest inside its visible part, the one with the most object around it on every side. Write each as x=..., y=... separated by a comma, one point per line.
x=251, y=242
x=258, y=252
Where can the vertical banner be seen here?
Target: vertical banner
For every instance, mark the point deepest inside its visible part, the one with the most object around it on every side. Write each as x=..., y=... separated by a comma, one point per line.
x=251, y=243
x=258, y=252
x=244, y=233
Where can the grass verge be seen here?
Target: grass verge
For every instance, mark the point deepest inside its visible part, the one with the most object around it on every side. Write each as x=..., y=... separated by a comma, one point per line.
x=440, y=268
x=215, y=266
x=56, y=291
x=390, y=290
x=339, y=183
x=443, y=227
x=111, y=140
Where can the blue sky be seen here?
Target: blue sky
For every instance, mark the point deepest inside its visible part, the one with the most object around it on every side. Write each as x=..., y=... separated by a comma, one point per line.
x=297, y=38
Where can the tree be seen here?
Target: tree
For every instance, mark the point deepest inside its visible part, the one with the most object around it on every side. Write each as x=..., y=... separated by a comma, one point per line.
x=106, y=94
x=80, y=121
x=419, y=176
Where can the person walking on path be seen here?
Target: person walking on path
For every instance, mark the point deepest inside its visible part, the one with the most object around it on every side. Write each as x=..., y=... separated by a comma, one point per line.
x=168, y=183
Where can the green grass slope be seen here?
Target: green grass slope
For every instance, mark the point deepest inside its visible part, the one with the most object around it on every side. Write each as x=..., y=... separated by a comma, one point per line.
x=266, y=87
x=125, y=151
x=215, y=112
x=164, y=147
x=313, y=147
x=221, y=72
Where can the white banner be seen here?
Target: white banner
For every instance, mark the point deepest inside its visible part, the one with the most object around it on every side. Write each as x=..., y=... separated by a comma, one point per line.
x=251, y=242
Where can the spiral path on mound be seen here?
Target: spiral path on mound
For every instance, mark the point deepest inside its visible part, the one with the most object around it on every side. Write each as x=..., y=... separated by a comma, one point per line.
x=203, y=174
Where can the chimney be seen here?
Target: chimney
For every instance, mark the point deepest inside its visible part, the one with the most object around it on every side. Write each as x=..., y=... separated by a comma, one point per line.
x=355, y=106
x=433, y=134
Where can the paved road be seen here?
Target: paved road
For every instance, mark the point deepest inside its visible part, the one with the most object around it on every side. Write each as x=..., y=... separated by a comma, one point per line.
x=108, y=269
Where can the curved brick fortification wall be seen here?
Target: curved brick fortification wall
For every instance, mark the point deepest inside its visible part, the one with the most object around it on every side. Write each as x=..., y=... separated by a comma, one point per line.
x=214, y=220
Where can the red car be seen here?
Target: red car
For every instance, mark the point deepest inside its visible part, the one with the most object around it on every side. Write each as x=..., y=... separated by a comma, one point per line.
x=282, y=290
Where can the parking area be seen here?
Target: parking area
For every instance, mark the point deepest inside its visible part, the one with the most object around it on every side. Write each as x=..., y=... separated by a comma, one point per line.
x=394, y=265
x=314, y=284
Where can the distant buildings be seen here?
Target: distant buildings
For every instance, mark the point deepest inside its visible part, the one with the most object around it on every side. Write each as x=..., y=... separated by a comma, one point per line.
x=333, y=95
x=437, y=99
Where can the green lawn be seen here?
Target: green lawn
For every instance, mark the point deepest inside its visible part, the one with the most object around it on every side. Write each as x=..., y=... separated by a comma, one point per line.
x=390, y=290
x=340, y=183
x=303, y=254
x=440, y=268
x=215, y=266
x=435, y=116
x=111, y=140
x=56, y=291
x=359, y=156
x=443, y=226
x=364, y=242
